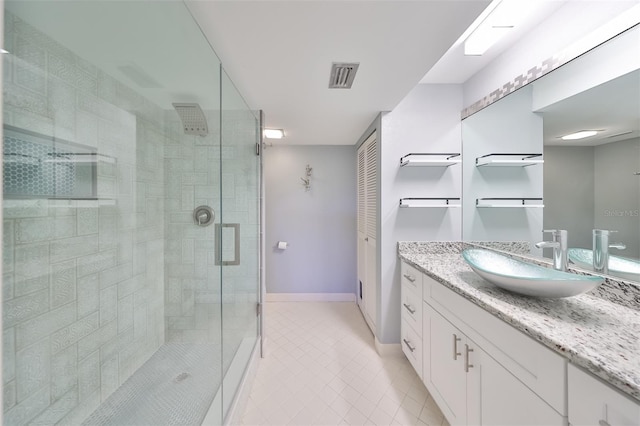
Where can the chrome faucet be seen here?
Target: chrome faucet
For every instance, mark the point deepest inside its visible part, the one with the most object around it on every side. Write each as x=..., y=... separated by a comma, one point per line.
x=601, y=248
x=559, y=245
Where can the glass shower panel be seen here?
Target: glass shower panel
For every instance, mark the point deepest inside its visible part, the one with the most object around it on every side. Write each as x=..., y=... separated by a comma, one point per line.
x=239, y=236
x=111, y=290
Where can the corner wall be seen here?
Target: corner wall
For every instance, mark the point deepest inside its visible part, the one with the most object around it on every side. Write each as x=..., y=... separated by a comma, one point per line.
x=427, y=120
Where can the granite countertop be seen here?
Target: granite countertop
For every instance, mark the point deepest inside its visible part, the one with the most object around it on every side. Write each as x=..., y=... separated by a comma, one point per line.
x=597, y=334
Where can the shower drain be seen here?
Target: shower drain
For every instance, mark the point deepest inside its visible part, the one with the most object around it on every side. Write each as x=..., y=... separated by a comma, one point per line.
x=181, y=377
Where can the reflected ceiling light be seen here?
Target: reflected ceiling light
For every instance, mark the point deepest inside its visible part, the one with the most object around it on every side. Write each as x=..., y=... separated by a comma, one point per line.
x=3, y=51
x=579, y=135
x=273, y=133
x=504, y=16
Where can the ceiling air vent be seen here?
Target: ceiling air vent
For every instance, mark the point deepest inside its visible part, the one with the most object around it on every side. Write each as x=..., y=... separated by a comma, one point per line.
x=342, y=75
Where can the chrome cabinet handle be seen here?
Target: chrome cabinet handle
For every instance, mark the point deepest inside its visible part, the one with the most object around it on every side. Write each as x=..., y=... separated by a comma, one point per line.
x=411, y=348
x=467, y=366
x=603, y=422
x=409, y=277
x=456, y=339
x=410, y=309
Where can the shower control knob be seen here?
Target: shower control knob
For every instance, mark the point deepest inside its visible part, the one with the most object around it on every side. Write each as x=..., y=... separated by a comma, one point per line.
x=203, y=215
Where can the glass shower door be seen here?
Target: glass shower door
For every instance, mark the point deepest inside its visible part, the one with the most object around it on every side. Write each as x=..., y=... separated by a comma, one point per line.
x=119, y=307
x=239, y=236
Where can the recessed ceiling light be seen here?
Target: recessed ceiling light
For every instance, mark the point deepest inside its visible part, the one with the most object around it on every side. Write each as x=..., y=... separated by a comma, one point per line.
x=273, y=133
x=579, y=135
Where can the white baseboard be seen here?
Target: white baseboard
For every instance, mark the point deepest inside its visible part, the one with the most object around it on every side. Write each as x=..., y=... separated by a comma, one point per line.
x=388, y=349
x=311, y=297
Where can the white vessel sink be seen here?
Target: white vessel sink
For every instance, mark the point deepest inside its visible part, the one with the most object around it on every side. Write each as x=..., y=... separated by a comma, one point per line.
x=620, y=266
x=526, y=278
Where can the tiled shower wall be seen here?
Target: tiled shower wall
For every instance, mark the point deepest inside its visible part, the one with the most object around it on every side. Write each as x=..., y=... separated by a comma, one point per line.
x=192, y=299
x=83, y=280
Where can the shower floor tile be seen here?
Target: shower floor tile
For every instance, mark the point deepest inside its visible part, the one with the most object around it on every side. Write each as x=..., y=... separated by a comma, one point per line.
x=174, y=387
x=321, y=368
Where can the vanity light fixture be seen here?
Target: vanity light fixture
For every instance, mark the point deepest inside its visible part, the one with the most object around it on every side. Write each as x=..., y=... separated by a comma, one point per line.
x=273, y=133
x=483, y=38
x=579, y=135
x=503, y=16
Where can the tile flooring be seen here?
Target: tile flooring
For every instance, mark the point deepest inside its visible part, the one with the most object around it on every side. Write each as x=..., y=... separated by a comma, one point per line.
x=322, y=368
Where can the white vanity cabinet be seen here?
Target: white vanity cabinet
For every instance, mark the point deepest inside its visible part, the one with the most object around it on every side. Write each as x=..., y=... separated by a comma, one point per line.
x=592, y=402
x=479, y=369
x=473, y=388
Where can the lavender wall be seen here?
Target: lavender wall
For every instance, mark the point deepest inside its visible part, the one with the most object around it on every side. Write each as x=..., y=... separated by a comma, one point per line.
x=319, y=224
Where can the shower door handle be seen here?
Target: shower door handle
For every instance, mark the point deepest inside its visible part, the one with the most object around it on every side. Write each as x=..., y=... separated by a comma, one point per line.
x=236, y=244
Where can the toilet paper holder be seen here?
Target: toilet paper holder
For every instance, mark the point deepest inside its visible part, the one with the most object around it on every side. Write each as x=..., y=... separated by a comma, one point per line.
x=282, y=245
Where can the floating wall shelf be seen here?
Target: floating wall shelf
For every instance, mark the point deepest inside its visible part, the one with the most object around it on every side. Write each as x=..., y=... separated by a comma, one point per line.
x=430, y=160
x=509, y=202
x=509, y=160
x=429, y=202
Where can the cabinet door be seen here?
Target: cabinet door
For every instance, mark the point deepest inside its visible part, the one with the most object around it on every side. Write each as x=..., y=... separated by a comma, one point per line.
x=447, y=369
x=426, y=344
x=592, y=402
x=496, y=397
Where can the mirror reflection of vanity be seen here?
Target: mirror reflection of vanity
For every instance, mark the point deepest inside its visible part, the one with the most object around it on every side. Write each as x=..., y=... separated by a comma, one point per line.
x=585, y=184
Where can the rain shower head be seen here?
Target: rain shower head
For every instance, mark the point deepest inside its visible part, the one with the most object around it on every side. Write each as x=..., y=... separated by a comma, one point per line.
x=193, y=119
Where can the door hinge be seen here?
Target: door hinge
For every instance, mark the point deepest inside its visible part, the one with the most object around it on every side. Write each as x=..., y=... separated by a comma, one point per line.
x=258, y=309
x=257, y=148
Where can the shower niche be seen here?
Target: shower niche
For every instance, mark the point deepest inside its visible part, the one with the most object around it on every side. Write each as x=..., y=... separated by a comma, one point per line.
x=37, y=166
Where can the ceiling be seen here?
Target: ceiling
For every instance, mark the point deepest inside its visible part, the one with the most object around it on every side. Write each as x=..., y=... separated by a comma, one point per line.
x=279, y=55
x=613, y=107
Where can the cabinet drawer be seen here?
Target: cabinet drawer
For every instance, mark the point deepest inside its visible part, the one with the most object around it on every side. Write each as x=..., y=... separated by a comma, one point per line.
x=411, y=277
x=412, y=347
x=411, y=308
x=592, y=402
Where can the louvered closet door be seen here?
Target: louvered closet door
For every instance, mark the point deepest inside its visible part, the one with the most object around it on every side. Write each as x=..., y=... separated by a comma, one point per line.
x=370, y=183
x=371, y=178
x=367, y=221
x=361, y=227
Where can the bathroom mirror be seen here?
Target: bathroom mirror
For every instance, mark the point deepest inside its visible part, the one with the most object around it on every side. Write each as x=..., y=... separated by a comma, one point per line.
x=589, y=183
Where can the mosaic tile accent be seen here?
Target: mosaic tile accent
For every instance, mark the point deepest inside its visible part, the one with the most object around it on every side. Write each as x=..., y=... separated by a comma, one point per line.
x=534, y=73
x=517, y=82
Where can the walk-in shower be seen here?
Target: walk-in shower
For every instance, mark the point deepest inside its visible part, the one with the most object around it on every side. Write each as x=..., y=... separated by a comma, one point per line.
x=130, y=218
